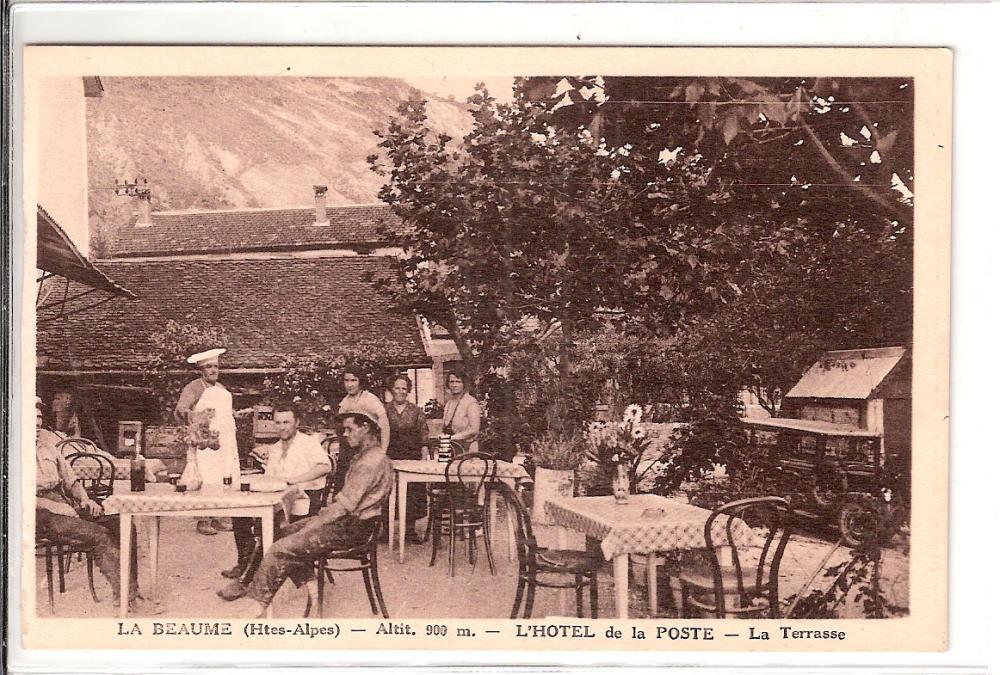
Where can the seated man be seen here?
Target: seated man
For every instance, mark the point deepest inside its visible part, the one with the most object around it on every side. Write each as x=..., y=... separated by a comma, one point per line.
x=347, y=522
x=297, y=459
x=65, y=514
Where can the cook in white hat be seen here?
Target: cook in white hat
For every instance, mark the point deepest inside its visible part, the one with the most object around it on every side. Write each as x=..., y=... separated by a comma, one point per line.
x=207, y=393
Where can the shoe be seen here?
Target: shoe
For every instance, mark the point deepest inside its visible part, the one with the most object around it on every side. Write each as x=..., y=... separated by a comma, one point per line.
x=413, y=538
x=222, y=525
x=232, y=591
x=234, y=572
x=205, y=527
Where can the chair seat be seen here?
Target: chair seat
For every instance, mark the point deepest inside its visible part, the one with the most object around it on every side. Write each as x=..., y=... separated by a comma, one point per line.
x=702, y=579
x=561, y=560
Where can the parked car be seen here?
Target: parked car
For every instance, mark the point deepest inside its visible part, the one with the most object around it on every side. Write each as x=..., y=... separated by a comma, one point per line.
x=835, y=473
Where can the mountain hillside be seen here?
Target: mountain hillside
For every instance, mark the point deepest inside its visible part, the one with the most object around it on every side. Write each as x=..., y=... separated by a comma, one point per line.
x=240, y=142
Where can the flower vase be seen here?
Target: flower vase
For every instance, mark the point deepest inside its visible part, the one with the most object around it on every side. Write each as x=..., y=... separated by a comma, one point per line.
x=191, y=476
x=620, y=484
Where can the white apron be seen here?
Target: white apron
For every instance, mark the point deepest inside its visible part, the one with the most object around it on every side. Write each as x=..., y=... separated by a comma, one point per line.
x=215, y=464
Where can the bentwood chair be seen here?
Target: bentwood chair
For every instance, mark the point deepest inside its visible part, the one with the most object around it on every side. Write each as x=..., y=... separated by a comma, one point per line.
x=99, y=484
x=57, y=556
x=467, y=479
x=739, y=580
x=360, y=558
x=328, y=492
x=546, y=567
x=99, y=478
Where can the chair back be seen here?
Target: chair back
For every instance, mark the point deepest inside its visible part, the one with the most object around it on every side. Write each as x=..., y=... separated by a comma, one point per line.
x=465, y=476
x=524, y=537
x=327, y=493
x=99, y=479
x=724, y=531
x=68, y=446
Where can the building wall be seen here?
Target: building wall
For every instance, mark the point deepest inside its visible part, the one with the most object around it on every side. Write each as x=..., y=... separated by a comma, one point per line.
x=838, y=412
x=62, y=156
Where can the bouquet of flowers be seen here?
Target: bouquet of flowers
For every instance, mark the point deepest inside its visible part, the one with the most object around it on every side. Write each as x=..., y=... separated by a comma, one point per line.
x=619, y=444
x=200, y=435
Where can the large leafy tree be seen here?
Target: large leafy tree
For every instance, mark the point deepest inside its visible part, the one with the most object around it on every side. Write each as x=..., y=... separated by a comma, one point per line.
x=826, y=161
x=744, y=224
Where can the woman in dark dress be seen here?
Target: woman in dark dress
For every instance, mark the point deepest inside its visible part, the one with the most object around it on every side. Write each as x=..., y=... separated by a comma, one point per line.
x=408, y=440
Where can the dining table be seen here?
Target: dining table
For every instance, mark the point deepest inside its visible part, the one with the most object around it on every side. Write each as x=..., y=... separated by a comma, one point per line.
x=432, y=471
x=159, y=500
x=645, y=524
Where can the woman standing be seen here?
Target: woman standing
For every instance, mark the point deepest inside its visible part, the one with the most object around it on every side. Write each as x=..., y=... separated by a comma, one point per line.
x=408, y=440
x=462, y=414
x=357, y=399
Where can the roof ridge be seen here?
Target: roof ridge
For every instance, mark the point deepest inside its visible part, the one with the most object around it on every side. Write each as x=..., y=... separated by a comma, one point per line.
x=255, y=261
x=265, y=209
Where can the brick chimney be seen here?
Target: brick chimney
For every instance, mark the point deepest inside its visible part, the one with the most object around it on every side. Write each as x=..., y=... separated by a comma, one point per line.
x=319, y=192
x=145, y=208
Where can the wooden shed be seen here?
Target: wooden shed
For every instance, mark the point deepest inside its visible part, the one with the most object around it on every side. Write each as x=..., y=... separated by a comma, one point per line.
x=866, y=388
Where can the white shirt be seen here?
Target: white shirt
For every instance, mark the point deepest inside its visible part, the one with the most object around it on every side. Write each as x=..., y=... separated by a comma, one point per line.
x=304, y=452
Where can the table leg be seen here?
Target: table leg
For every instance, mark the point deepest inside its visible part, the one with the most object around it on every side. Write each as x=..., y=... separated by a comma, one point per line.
x=562, y=542
x=403, y=484
x=621, y=585
x=651, y=564
x=154, y=552
x=392, y=507
x=266, y=539
x=125, y=562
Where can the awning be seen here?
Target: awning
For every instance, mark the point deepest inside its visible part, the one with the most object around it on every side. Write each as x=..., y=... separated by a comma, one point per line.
x=57, y=256
x=847, y=374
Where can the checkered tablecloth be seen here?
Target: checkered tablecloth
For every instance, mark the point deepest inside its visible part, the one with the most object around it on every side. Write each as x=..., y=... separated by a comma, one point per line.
x=88, y=471
x=163, y=497
x=636, y=527
x=435, y=468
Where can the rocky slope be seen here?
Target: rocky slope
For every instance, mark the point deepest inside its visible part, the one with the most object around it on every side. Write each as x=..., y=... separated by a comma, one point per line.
x=240, y=142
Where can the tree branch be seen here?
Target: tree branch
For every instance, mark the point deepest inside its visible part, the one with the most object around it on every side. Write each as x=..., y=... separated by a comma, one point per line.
x=895, y=209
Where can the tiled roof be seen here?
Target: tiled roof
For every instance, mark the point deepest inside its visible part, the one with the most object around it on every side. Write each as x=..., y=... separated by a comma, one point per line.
x=188, y=232
x=268, y=309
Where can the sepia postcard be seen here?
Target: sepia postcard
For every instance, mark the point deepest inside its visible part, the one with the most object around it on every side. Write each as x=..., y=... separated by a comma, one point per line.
x=527, y=349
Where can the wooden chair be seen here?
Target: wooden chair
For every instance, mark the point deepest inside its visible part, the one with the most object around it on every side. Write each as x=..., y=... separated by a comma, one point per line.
x=57, y=556
x=536, y=565
x=328, y=487
x=731, y=584
x=467, y=477
x=99, y=485
x=365, y=560
x=99, y=480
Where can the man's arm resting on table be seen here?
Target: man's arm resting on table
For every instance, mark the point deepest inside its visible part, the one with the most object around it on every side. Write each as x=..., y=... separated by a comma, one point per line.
x=316, y=471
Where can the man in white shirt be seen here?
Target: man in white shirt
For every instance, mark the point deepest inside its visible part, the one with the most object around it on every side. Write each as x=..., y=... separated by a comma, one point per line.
x=297, y=459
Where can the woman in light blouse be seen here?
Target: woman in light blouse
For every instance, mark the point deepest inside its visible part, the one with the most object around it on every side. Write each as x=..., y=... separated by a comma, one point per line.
x=462, y=413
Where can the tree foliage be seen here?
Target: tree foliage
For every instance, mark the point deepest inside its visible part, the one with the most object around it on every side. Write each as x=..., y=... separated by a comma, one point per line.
x=166, y=371
x=713, y=233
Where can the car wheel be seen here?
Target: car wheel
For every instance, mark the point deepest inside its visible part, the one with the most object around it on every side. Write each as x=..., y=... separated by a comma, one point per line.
x=857, y=523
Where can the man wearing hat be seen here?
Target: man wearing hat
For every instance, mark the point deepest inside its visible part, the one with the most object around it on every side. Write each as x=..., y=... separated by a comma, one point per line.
x=358, y=399
x=206, y=393
x=345, y=523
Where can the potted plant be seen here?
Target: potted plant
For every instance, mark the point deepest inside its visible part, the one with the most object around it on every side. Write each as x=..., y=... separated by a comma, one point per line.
x=556, y=457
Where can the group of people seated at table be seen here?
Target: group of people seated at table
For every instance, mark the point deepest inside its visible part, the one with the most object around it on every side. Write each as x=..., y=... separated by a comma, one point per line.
x=370, y=433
